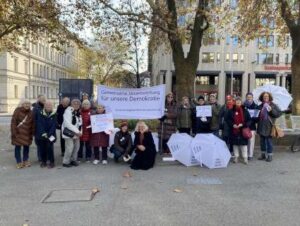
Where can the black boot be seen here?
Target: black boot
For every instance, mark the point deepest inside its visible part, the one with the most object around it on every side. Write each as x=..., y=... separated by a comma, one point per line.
x=262, y=157
x=269, y=158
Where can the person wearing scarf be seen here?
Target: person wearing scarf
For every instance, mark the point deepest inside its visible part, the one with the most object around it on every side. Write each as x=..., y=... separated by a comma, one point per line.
x=266, y=119
x=144, y=148
x=223, y=125
x=237, y=119
x=251, y=105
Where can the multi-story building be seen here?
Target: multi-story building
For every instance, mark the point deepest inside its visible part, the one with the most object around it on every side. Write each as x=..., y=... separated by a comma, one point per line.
x=229, y=66
x=34, y=70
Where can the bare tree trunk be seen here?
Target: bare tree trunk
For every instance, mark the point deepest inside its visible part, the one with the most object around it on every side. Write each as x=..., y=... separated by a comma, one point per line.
x=295, y=34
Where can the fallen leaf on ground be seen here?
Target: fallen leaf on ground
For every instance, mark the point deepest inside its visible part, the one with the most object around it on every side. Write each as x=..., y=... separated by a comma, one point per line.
x=25, y=224
x=95, y=190
x=177, y=190
x=124, y=186
x=127, y=174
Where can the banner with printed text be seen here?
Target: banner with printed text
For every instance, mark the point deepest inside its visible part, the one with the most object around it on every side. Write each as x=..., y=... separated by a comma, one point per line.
x=135, y=103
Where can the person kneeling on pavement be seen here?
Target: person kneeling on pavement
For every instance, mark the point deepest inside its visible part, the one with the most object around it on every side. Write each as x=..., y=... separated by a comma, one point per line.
x=46, y=134
x=71, y=128
x=122, y=143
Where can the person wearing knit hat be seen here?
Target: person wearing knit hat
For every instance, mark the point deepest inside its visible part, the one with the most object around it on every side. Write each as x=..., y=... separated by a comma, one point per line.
x=122, y=143
x=252, y=106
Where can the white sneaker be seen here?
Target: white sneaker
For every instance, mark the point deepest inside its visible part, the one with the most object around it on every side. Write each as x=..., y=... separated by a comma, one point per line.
x=96, y=162
x=104, y=162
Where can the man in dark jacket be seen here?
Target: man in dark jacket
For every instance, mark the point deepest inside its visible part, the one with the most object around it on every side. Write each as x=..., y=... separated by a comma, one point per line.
x=65, y=102
x=214, y=125
x=37, y=107
x=46, y=134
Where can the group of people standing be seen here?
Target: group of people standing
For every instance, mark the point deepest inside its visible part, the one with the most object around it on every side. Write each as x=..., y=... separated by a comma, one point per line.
x=78, y=143
x=73, y=120
x=230, y=122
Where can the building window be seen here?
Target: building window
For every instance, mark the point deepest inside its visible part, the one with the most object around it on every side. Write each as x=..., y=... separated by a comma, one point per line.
x=286, y=60
x=26, y=67
x=242, y=58
x=16, y=91
x=235, y=58
x=266, y=58
x=218, y=57
x=235, y=40
x=277, y=58
x=265, y=41
x=16, y=66
x=233, y=4
x=26, y=92
x=33, y=92
x=41, y=70
x=227, y=57
x=208, y=57
x=287, y=41
x=33, y=68
x=48, y=93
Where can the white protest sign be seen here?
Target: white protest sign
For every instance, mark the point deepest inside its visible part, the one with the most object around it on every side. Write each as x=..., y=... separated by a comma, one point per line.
x=204, y=111
x=253, y=113
x=102, y=122
x=138, y=103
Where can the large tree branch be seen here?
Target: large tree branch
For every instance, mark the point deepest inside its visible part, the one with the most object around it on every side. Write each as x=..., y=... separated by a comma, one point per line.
x=286, y=14
x=175, y=41
x=200, y=25
x=9, y=30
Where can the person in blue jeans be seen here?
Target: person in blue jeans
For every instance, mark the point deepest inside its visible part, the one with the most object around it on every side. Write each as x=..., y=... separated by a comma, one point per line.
x=22, y=130
x=122, y=143
x=266, y=119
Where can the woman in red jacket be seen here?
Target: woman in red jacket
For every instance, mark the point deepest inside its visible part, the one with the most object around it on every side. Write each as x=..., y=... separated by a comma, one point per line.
x=86, y=131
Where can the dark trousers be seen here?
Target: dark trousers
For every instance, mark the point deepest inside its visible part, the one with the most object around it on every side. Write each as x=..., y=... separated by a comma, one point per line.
x=117, y=152
x=104, y=153
x=47, y=151
x=184, y=130
x=39, y=151
x=18, y=153
x=88, y=150
x=62, y=144
x=266, y=145
x=163, y=145
x=229, y=145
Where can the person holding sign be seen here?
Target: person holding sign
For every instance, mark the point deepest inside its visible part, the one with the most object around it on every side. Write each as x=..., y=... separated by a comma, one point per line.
x=184, y=116
x=266, y=119
x=203, y=118
x=251, y=106
x=238, y=118
x=144, y=148
x=46, y=133
x=100, y=140
x=122, y=143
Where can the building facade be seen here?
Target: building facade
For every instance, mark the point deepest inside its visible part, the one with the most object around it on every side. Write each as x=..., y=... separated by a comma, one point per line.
x=35, y=70
x=229, y=66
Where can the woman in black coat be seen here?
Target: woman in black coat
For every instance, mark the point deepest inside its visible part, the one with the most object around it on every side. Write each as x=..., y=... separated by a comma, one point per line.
x=144, y=148
x=237, y=119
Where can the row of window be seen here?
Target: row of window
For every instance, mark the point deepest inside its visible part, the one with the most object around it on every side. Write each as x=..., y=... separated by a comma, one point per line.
x=209, y=57
x=261, y=58
x=261, y=42
x=37, y=90
x=49, y=53
x=40, y=70
x=47, y=72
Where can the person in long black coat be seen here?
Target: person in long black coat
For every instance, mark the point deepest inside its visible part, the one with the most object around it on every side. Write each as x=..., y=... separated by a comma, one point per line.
x=237, y=119
x=65, y=102
x=144, y=148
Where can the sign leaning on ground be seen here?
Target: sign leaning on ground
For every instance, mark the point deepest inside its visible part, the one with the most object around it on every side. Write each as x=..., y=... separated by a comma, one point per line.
x=136, y=103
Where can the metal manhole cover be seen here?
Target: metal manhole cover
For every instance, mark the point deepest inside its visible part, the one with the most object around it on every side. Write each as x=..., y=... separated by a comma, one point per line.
x=69, y=195
x=203, y=181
